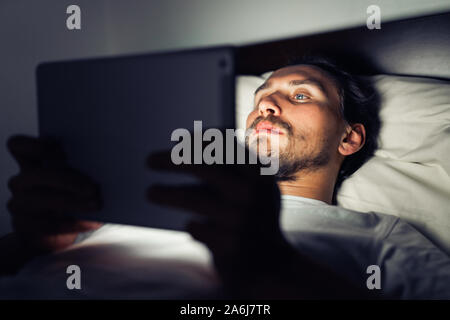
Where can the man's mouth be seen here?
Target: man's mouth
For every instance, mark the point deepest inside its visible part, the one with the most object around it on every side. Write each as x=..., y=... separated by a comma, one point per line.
x=267, y=127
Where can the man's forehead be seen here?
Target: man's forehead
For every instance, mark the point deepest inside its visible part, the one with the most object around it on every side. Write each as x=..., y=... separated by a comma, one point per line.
x=300, y=71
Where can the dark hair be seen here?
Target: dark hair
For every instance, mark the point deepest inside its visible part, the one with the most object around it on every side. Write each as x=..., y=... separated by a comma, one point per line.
x=359, y=104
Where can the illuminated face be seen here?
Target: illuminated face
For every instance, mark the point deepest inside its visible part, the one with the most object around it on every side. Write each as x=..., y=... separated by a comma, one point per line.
x=301, y=106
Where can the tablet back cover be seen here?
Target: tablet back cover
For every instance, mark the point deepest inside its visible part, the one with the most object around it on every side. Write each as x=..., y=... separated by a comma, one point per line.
x=110, y=113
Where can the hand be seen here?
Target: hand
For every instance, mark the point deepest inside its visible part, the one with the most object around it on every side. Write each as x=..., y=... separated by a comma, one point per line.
x=240, y=225
x=240, y=211
x=43, y=191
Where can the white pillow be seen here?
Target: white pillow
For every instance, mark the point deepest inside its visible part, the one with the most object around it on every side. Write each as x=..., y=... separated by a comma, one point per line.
x=409, y=176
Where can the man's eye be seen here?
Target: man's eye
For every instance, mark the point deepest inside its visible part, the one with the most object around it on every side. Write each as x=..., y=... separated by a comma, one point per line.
x=300, y=97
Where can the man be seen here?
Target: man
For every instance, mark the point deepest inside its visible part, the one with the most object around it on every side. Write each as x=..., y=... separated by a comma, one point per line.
x=326, y=128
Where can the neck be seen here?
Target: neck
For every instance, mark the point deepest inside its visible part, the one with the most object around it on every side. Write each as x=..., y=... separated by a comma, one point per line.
x=318, y=184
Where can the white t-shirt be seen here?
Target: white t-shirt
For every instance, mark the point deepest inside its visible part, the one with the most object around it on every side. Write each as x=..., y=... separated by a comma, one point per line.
x=410, y=266
x=119, y=261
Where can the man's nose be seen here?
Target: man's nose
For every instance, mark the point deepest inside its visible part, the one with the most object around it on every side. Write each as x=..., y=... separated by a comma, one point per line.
x=268, y=106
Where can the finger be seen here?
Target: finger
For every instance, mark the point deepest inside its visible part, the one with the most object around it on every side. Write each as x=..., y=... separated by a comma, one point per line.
x=162, y=160
x=198, y=199
x=227, y=178
x=47, y=201
x=26, y=224
x=32, y=152
x=63, y=180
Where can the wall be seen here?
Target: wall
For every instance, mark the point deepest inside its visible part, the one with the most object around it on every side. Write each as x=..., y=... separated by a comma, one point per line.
x=32, y=32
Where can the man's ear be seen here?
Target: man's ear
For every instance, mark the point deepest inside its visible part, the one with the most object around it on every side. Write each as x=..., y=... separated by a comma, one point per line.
x=353, y=139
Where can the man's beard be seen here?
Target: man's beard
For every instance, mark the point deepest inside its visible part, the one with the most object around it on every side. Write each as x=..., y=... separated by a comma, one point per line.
x=291, y=163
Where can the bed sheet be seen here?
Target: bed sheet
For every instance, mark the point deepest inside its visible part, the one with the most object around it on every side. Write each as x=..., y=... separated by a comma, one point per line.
x=121, y=262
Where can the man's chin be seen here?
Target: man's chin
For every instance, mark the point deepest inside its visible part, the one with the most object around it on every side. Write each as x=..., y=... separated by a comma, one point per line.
x=265, y=151
x=267, y=145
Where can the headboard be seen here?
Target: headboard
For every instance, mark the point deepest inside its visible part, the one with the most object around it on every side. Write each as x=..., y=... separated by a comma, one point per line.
x=415, y=47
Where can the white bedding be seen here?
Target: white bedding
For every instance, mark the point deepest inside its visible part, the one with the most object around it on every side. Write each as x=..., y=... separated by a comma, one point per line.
x=121, y=262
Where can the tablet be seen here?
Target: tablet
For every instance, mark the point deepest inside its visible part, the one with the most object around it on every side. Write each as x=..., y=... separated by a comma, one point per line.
x=110, y=113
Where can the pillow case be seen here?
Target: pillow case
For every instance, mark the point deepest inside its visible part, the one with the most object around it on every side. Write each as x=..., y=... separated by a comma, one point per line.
x=409, y=175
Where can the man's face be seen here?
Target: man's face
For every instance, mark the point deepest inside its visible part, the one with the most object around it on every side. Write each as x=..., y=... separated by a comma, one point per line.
x=300, y=105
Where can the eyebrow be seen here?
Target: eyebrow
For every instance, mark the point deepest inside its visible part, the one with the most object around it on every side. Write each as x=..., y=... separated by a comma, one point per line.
x=294, y=83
